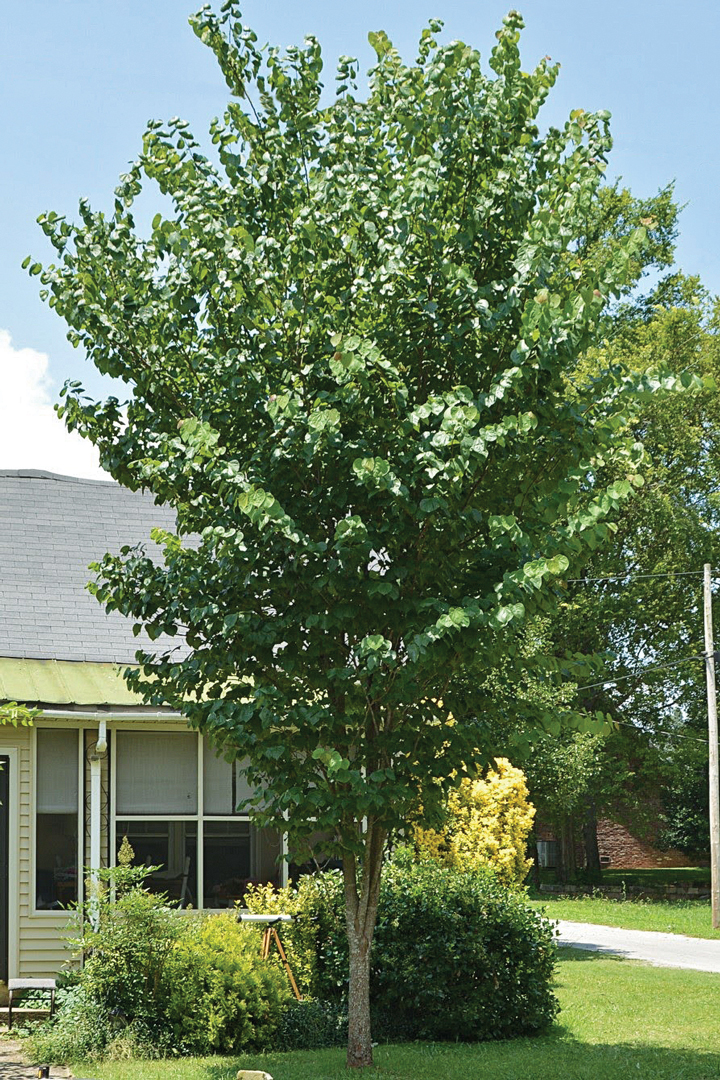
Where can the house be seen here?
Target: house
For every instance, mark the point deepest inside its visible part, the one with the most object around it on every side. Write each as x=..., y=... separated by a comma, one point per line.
x=97, y=765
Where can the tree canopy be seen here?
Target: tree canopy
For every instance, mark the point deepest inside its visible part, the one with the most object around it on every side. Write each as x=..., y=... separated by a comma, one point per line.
x=348, y=349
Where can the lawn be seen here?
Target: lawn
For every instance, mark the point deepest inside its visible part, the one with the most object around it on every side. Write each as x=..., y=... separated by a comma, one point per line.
x=665, y=875
x=691, y=917
x=619, y=1019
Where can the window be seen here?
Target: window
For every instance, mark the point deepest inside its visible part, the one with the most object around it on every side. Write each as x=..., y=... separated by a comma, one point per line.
x=156, y=772
x=56, y=821
x=176, y=802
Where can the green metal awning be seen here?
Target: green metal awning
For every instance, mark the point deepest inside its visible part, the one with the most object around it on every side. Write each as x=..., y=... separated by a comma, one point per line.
x=64, y=682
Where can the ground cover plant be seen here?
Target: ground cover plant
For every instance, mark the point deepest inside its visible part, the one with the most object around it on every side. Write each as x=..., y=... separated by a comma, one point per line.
x=350, y=350
x=691, y=917
x=619, y=1019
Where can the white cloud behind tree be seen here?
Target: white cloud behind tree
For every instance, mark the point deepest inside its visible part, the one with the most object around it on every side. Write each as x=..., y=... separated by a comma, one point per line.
x=31, y=435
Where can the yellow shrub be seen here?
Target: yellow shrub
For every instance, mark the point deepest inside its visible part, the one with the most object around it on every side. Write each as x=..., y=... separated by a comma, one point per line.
x=488, y=825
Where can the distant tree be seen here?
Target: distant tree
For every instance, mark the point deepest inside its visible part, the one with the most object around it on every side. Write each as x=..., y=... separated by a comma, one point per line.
x=347, y=353
x=647, y=629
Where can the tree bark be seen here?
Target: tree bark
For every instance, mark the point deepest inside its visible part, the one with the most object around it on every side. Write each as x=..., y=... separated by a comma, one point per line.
x=536, y=867
x=590, y=839
x=566, y=863
x=362, y=892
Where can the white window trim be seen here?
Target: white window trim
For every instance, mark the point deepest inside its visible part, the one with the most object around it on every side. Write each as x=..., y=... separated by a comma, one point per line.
x=199, y=818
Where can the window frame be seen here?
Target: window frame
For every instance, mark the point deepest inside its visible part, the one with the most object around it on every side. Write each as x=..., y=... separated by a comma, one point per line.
x=78, y=729
x=198, y=818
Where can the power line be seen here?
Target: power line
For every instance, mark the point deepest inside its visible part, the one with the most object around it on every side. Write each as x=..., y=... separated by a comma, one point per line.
x=625, y=577
x=663, y=731
x=639, y=674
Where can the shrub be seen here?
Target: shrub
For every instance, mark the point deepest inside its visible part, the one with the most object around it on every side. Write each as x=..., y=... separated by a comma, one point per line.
x=225, y=998
x=317, y=958
x=488, y=823
x=80, y=1029
x=158, y=981
x=456, y=955
x=127, y=936
x=311, y=1025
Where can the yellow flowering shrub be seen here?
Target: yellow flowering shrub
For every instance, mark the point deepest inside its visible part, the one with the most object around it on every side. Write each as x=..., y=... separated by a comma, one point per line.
x=488, y=824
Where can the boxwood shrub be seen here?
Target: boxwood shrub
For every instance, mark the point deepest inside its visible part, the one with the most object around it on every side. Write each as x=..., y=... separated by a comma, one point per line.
x=456, y=955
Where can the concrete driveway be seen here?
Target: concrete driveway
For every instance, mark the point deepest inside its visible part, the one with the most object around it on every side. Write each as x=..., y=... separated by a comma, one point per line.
x=664, y=950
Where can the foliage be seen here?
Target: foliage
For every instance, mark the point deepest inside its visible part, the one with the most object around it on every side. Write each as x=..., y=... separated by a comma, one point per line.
x=318, y=963
x=685, y=798
x=224, y=999
x=562, y=771
x=456, y=955
x=488, y=824
x=311, y=1025
x=648, y=629
x=605, y=1002
x=127, y=937
x=347, y=351
x=159, y=981
x=81, y=1029
x=17, y=715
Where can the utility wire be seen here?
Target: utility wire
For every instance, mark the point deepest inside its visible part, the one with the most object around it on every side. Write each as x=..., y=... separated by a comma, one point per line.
x=624, y=577
x=639, y=674
x=662, y=731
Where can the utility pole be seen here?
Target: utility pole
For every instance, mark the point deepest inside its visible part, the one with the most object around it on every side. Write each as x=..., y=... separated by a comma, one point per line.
x=713, y=748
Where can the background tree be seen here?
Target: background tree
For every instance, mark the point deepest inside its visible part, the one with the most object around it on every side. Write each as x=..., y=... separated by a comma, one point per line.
x=648, y=628
x=346, y=351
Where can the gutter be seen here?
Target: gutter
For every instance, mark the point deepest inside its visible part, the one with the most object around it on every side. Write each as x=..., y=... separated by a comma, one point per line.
x=109, y=714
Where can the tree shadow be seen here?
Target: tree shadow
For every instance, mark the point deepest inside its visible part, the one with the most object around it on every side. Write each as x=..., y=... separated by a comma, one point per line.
x=548, y=1057
x=571, y=954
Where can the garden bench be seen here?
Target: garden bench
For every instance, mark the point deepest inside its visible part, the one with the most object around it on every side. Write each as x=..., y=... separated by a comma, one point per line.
x=21, y=985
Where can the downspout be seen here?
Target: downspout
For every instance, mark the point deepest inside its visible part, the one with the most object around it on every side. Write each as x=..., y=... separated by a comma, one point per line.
x=96, y=757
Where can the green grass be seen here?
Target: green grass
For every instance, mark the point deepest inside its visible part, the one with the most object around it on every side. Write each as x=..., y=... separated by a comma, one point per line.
x=691, y=917
x=666, y=875
x=619, y=1020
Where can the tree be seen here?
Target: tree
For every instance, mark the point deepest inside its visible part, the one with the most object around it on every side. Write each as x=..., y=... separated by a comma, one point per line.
x=17, y=715
x=648, y=629
x=347, y=351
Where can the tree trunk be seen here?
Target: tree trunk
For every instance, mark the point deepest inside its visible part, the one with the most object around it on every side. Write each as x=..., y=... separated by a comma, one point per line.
x=592, y=853
x=566, y=849
x=536, y=867
x=362, y=892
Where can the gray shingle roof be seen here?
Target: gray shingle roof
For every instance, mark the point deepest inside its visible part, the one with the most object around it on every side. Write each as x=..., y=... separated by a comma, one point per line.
x=51, y=528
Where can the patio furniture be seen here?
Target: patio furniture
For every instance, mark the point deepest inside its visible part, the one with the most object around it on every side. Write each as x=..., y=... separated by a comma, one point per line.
x=16, y=986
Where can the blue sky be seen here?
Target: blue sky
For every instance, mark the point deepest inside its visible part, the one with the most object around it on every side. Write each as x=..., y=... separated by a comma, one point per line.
x=80, y=78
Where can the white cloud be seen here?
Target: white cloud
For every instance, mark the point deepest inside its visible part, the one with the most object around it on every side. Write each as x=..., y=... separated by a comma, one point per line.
x=31, y=435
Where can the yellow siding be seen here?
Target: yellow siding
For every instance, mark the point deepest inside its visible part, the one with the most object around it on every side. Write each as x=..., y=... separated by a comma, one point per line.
x=40, y=936
x=41, y=951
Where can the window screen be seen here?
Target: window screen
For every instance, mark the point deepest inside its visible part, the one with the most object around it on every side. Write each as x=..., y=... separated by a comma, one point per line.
x=156, y=772
x=57, y=772
x=224, y=785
